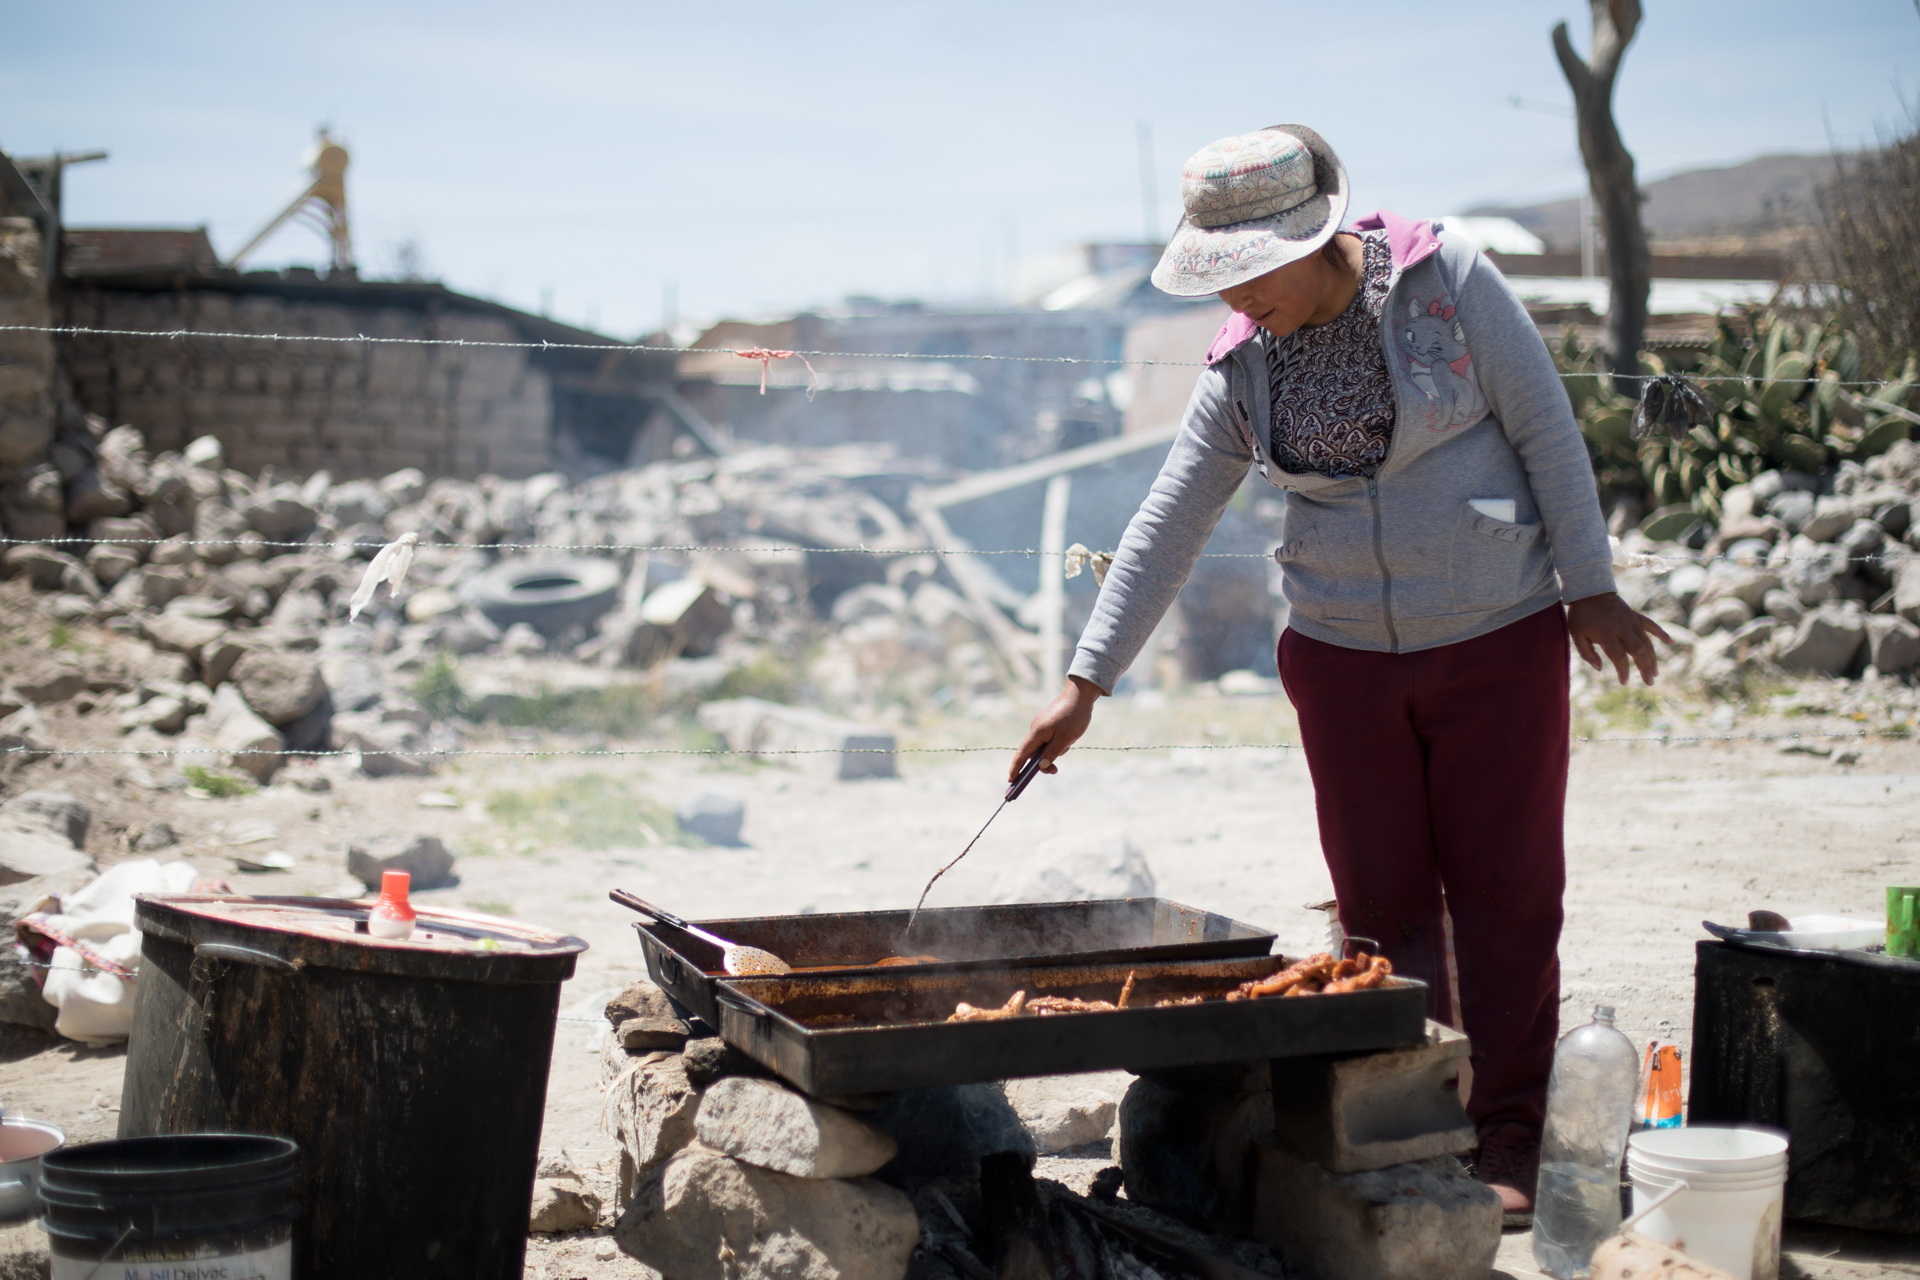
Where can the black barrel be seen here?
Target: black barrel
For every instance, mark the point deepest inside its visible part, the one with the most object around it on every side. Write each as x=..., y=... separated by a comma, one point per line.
x=412, y=1074
x=214, y=1198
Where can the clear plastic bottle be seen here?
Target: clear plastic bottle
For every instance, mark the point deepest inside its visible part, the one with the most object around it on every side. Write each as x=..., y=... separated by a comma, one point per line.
x=1590, y=1101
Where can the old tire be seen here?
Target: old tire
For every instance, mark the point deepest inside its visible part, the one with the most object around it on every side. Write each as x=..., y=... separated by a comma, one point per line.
x=550, y=596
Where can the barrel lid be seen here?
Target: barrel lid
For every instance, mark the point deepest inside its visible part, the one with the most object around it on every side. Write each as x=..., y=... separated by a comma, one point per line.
x=330, y=933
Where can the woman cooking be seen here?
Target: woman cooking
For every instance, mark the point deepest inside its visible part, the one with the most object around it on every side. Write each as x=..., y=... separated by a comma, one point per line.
x=1443, y=543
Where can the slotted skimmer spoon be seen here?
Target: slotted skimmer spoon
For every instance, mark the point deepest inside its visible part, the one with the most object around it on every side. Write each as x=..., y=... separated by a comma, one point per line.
x=1014, y=788
x=739, y=961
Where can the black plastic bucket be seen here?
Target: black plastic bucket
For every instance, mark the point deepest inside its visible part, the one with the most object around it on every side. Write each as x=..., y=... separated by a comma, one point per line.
x=223, y=1201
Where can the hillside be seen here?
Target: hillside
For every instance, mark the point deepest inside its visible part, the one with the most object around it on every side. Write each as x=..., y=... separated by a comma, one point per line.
x=1758, y=204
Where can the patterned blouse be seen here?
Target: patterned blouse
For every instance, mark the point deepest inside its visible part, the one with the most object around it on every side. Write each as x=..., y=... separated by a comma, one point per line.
x=1332, y=396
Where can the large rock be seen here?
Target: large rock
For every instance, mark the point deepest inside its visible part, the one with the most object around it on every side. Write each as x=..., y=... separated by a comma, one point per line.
x=649, y=1106
x=45, y=568
x=640, y=1000
x=1783, y=605
x=43, y=679
x=561, y=1202
x=422, y=857
x=1811, y=570
x=32, y=849
x=280, y=686
x=388, y=748
x=713, y=816
x=770, y=1126
x=1893, y=644
x=23, y=1004
x=703, y=1216
x=1827, y=642
x=110, y=562
x=179, y=632
x=122, y=457
x=1906, y=589
x=277, y=513
x=648, y=1035
x=710, y=1059
x=1185, y=1142
x=159, y=585
x=135, y=532
x=1723, y=613
x=54, y=812
x=165, y=713
x=1832, y=516
x=1079, y=867
x=24, y=736
x=92, y=495
x=247, y=742
x=1064, y=1112
x=1748, y=583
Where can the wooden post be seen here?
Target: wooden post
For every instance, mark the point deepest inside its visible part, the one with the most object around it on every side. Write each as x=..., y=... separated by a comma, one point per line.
x=1611, y=178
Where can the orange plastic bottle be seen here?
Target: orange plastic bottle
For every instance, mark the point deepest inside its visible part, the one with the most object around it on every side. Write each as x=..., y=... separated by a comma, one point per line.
x=1660, y=1087
x=392, y=916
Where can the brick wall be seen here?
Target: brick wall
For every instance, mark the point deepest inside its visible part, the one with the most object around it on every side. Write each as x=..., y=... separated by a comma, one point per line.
x=352, y=409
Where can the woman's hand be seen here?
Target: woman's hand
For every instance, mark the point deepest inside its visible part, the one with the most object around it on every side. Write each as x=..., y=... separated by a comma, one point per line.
x=1059, y=726
x=1607, y=624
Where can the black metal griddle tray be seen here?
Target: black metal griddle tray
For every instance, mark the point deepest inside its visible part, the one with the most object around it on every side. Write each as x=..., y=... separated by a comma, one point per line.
x=879, y=1031
x=826, y=947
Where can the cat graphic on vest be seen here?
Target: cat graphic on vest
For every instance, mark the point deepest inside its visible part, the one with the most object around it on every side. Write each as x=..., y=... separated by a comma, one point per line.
x=1437, y=351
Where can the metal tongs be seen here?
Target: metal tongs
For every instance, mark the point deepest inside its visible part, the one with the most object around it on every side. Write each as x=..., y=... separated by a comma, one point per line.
x=739, y=961
x=1014, y=788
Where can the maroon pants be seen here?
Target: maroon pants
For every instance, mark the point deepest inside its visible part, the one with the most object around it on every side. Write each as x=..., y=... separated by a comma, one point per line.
x=1440, y=779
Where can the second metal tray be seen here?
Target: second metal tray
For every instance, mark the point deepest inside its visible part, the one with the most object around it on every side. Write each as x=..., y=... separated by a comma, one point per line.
x=1116, y=930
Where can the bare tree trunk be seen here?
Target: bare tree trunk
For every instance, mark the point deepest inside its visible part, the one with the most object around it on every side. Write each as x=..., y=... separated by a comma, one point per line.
x=1610, y=175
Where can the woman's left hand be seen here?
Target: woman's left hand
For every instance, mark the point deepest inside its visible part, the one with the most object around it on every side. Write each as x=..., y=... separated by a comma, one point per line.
x=1607, y=624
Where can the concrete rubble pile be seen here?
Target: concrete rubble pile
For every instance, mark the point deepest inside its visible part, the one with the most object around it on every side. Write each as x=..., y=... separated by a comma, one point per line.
x=814, y=571
x=213, y=606
x=1803, y=575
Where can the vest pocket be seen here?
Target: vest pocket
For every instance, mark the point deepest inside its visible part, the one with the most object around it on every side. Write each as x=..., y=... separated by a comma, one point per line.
x=1495, y=564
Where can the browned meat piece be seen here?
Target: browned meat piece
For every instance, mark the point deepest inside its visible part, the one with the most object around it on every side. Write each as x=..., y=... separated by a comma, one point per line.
x=1046, y=1006
x=1312, y=969
x=1013, y=1008
x=1126, y=991
x=907, y=960
x=1378, y=970
x=1173, y=1003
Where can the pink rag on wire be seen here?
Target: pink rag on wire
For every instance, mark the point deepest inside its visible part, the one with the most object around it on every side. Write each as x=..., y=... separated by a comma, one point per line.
x=766, y=356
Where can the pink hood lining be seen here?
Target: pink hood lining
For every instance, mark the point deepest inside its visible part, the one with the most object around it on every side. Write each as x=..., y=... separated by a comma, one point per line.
x=1410, y=241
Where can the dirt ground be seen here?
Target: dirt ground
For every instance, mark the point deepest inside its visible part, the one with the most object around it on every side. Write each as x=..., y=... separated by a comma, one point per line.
x=1659, y=837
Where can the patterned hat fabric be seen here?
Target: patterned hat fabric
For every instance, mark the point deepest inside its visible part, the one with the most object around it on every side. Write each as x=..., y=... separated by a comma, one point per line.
x=1252, y=203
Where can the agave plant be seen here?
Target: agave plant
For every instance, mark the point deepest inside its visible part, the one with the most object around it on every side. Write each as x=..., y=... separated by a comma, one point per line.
x=1784, y=396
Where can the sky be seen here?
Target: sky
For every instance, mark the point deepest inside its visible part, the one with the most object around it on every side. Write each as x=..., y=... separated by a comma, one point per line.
x=619, y=164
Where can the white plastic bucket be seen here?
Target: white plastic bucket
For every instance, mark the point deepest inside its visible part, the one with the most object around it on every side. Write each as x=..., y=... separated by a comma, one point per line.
x=1728, y=1216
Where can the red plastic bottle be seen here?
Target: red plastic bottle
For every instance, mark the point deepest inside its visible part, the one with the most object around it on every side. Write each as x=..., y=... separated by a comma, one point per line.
x=392, y=916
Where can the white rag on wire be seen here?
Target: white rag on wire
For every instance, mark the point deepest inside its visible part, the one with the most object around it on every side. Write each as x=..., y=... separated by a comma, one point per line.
x=95, y=1007
x=390, y=564
x=1623, y=559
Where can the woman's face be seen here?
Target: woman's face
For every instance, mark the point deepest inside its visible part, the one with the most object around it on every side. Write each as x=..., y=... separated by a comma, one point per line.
x=1283, y=299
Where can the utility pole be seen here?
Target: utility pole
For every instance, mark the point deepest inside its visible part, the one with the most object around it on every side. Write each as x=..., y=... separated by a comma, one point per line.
x=1610, y=178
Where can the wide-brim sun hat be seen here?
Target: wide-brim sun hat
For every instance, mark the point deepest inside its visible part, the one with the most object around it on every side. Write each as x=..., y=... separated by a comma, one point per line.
x=1253, y=203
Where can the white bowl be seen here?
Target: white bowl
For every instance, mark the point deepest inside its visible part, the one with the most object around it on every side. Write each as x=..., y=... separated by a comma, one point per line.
x=22, y=1143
